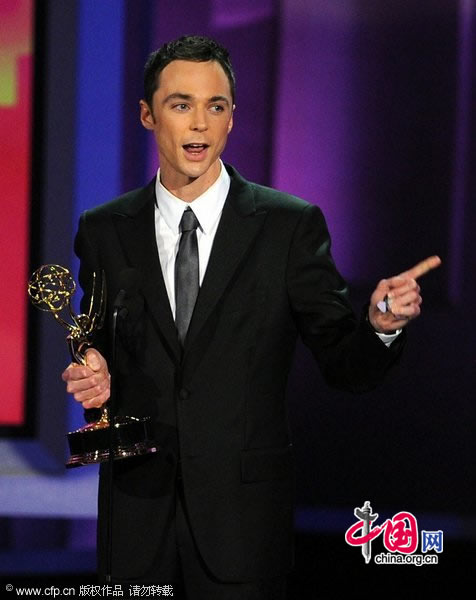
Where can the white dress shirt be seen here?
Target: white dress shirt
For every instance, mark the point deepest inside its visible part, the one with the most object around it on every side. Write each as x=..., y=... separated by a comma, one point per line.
x=168, y=213
x=208, y=209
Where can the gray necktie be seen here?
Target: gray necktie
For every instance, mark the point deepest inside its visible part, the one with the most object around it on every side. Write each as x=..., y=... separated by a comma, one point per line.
x=186, y=273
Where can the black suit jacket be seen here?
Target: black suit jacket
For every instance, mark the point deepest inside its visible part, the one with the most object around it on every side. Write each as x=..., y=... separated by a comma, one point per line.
x=220, y=407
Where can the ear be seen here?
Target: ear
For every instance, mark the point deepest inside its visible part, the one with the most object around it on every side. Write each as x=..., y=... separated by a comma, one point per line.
x=230, y=122
x=146, y=116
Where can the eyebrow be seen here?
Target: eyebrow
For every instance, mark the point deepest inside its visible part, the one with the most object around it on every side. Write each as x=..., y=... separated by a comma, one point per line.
x=219, y=99
x=189, y=97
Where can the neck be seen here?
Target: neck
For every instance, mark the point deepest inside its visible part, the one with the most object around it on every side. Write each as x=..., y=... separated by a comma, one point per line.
x=189, y=188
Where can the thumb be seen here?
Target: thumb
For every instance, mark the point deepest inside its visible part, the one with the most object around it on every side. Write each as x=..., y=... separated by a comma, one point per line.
x=380, y=291
x=93, y=359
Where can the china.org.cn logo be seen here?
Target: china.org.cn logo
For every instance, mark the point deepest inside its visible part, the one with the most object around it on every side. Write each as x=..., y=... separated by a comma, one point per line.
x=399, y=536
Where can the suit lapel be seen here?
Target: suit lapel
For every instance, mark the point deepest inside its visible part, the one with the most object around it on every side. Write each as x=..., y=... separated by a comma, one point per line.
x=136, y=229
x=239, y=225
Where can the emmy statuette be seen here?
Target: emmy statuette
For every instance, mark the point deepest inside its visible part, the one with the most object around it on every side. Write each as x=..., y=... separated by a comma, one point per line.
x=50, y=289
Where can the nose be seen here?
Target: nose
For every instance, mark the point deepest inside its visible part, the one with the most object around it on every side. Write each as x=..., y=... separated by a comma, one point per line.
x=199, y=120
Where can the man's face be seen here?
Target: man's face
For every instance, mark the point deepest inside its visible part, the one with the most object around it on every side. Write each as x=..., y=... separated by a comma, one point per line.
x=191, y=116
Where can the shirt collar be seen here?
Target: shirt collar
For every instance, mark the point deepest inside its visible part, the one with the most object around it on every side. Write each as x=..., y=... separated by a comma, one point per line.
x=207, y=207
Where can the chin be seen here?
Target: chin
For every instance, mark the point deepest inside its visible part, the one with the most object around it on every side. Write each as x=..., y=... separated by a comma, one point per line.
x=197, y=171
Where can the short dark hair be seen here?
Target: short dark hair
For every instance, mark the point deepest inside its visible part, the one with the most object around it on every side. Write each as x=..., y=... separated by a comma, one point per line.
x=195, y=48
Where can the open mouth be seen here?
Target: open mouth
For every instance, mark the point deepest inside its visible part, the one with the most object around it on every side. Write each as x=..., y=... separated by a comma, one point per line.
x=195, y=149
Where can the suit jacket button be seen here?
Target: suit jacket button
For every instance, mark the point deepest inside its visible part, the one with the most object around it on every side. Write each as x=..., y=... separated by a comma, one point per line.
x=184, y=394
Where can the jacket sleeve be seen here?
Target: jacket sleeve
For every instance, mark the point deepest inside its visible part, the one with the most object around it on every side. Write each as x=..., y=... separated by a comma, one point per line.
x=348, y=351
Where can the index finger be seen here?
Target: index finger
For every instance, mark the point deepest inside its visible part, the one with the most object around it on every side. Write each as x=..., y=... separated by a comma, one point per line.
x=75, y=372
x=423, y=267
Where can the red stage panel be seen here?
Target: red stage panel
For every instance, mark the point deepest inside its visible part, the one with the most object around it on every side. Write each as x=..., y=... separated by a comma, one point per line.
x=16, y=23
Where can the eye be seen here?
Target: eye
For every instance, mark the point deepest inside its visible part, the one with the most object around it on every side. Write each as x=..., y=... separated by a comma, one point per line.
x=180, y=107
x=217, y=108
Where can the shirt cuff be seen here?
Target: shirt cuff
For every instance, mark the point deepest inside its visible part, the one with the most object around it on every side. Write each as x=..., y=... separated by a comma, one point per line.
x=388, y=338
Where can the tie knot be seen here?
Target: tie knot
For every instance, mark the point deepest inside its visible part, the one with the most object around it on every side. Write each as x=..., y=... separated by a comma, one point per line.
x=188, y=221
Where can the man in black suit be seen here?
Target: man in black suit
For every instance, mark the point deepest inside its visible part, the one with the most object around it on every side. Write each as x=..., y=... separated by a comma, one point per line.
x=221, y=294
